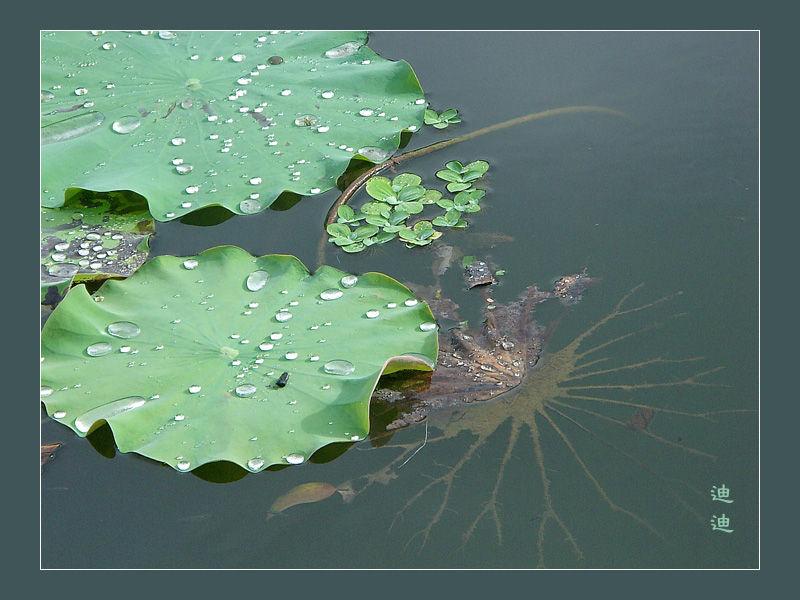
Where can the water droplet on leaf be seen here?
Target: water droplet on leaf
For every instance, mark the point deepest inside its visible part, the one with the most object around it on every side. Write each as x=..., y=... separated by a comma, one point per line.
x=343, y=50
x=250, y=207
x=254, y=464
x=246, y=390
x=84, y=422
x=294, y=459
x=124, y=329
x=99, y=349
x=70, y=128
x=65, y=270
x=126, y=124
x=257, y=280
x=348, y=281
x=331, y=294
x=339, y=367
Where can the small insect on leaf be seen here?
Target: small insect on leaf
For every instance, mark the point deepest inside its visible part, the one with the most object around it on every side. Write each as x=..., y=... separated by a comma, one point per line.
x=283, y=380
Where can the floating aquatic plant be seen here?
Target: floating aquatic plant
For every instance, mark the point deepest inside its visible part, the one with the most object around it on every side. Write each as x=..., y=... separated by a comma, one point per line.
x=228, y=357
x=206, y=118
x=395, y=201
x=441, y=121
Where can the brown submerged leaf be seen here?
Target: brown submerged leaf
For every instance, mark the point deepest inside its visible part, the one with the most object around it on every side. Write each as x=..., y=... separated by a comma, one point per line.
x=303, y=494
x=47, y=452
x=474, y=366
x=641, y=419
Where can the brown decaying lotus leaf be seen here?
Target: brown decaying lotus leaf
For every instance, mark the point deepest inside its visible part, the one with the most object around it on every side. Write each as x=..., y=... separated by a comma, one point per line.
x=305, y=493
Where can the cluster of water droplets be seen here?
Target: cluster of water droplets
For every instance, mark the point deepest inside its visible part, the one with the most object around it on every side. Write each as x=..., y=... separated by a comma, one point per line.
x=258, y=376
x=254, y=100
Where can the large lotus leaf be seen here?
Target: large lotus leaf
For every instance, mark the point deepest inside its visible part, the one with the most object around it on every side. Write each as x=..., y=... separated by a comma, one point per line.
x=225, y=356
x=92, y=237
x=194, y=119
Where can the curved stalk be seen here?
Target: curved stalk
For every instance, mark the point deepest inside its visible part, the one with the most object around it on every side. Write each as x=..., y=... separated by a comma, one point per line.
x=351, y=189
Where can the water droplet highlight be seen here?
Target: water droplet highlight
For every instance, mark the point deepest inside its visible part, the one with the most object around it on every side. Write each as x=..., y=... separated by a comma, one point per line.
x=246, y=390
x=254, y=464
x=428, y=326
x=306, y=121
x=372, y=314
x=84, y=422
x=124, y=329
x=126, y=124
x=257, y=280
x=331, y=294
x=193, y=389
x=343, y=50
x=339, y=367
x=99, y=349
x=294, y=458
x=374, y=153
x=250, y=207
x=64, y=270
x=348, y=281
x=190, y=264
x=71, y=128
x=282, y=317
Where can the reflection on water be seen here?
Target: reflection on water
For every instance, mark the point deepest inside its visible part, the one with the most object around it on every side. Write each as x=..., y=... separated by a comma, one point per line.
x=579, y=393
x=551, y=473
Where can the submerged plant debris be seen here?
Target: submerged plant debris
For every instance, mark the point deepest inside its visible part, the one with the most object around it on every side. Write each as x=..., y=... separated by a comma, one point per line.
x=48, y=450
x=567, y=391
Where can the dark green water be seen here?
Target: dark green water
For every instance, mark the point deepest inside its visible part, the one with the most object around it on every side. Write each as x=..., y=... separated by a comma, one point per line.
x=668, y=199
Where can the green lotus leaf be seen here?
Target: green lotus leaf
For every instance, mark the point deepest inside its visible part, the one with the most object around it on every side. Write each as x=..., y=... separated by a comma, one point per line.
x=92, y=237
x=228, y=357
x=196, y=119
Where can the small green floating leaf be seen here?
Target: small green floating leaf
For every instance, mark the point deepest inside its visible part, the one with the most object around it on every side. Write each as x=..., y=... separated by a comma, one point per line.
x=381, y=189
x=441, y=121
x=195, y=376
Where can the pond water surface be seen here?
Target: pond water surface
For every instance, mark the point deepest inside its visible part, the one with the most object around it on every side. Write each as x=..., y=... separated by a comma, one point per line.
x=667, y=198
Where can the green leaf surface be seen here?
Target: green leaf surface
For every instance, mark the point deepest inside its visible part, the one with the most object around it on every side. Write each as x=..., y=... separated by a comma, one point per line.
x=449, y=175
x=380, y=189
x=186, y=358
x=92, y=237
x=196, y=119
